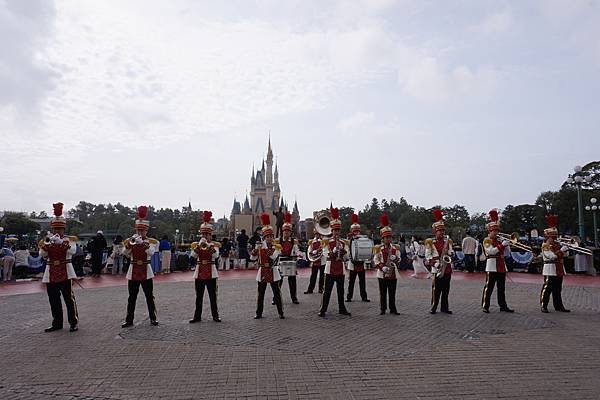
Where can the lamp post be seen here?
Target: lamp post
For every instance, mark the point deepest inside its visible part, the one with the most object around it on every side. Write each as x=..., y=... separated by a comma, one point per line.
x=176, y=235
x=593, y=208
x=577, y=178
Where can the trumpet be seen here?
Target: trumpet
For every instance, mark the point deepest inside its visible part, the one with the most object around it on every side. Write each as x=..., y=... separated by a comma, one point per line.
x=573, y=245
x=514, y=241
x=204, y=244
x=133, y=239
x=49, y=239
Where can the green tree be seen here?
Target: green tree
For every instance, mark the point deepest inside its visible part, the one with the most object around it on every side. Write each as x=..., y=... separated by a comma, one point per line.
x=18, y=224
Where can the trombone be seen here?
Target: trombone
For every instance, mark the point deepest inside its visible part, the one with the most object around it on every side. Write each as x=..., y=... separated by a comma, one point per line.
x=514, y=241
x=573, y=245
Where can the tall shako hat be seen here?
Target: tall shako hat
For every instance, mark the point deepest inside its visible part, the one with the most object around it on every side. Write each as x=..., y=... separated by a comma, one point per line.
x=493, y=225
x=386, y=230
x=438, y=225
x=58, y=220
x=206, y=226
x=141, y=221
x=267, y=229
x=552, y=222
x=287, y=224
x=355, y=227
x=335, y=222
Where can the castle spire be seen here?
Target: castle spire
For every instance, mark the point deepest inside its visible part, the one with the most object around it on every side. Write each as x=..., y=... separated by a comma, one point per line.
x=269, y=150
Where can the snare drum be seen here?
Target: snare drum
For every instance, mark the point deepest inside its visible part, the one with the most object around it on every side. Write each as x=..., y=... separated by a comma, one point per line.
x=287, y=268
x=361, y=249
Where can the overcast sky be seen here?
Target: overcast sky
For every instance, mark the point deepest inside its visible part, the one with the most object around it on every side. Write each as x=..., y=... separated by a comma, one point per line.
x=480, y=103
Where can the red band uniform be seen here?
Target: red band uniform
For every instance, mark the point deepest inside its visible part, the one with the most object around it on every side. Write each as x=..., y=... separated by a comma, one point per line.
x=267, y=253
x=58, y=249
x=206, y=254
x=139, y=249
x=356, y=268
x=337, y=254
x=554, y=270
x=441, y=270
x=495, y=268
x=316, y=253
x=386, y=259
x=289, y=251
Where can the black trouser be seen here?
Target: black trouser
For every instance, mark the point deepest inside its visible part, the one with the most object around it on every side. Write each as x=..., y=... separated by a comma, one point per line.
x=470, y=262
x=552, y=286
x=387, y=287
x=96, y=263
x=362, y=284
x=293, y=287
x=313, y=278
x=262, y=287
x=54, y=291
x=440, y=287
x=493, y=278
x=211, y=287
x=134, y=289
x=330, y=280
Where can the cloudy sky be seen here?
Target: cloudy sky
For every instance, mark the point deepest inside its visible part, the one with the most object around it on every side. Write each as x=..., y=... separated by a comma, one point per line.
x=480, y=103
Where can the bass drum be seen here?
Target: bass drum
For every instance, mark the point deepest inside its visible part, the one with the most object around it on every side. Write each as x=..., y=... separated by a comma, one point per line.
x=361, y=249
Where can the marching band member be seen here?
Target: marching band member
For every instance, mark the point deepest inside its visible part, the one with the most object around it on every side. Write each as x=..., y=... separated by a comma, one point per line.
x=337, y=255
x=205, y=276
x=554, y=270
x=495, y=267
x=57, y=249
x=356, y=268
x=386, y=260
x=315, y=252
x=267, y=253
x=139, y=248
x=289, y=249
x=437, y=255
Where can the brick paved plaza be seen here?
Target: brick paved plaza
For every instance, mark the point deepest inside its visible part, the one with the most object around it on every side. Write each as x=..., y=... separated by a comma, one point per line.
x=468, y=355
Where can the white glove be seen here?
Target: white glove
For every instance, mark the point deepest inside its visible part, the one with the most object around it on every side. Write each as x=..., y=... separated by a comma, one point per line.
x=564, y=249
x=393, y=257
x=506, y=243
x=57, y=240
x=436, y=265
x=385, y=270
x=138, y=240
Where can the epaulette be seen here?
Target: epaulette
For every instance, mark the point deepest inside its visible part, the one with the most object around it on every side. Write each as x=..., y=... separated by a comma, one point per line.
x=194, y=245
x=277, y=246
x=152, y=241
x=73, y=238
x=346, y=242
x=216, y=244
x=377, y=248
x=450, y=242
x=546, y=247
x=296, y=242
x=429, y=242
x=397, y=247
x=276, y=241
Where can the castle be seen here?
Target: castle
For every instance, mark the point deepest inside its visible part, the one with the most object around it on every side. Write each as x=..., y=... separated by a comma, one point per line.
x=265, y=197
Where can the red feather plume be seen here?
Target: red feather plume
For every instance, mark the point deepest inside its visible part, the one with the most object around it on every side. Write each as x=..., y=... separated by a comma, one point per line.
x=335, y=213
x=265, y=219
x=438, y=215
x=551, y=220
x=206, y=216
x=493, y=215
x=354, y=218
x=58, y=209
x=384, y=220
x=287, y=218
x=142, y=212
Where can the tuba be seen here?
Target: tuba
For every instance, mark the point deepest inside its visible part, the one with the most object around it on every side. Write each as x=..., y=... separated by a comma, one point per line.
x=318, y=253
x=322, y=224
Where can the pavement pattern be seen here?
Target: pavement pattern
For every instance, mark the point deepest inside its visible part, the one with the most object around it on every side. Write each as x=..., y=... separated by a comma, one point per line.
x=415, y=355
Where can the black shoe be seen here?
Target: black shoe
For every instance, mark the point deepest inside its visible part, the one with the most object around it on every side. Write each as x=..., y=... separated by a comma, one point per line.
x=485, y=310
x=126, y=324
x=394, y=312
x=194, y=320
x=348, y=300
x=216, y=319
x=506, y=309
x=345, y=312
x=432, y=312
x=321, y=314
x=52, y=329
x=153, y=322
x=320, y=291
x=308, y=292
x=366, y=300
x=563, y=310
x=281, y=316
x=447, y=312
x=545, y=310
x=295, y=302
x=73, y=328
x=272, y=302
x=382, y=312
x=257, y=316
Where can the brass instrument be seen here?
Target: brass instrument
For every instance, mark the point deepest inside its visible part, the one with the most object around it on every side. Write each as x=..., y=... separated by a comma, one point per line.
x=318, y=253
x=323, y=224
x=573, y=245
x=444, y=258
x=391, y=265
x=514, y=241
x=204, y=245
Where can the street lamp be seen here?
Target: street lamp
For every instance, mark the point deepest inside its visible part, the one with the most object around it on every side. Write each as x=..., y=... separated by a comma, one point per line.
x=593, y=208
x=577, y=178
x=176, y=234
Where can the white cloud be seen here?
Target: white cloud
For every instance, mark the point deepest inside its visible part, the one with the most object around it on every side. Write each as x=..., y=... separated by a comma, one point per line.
x=356, y=121
x=498, y=22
